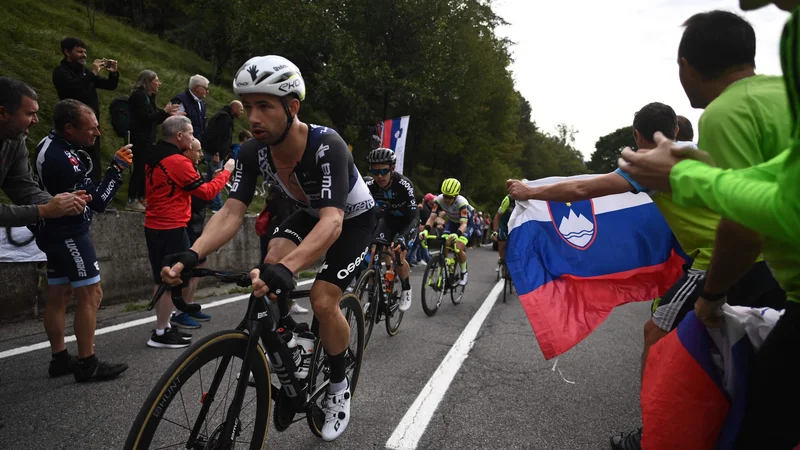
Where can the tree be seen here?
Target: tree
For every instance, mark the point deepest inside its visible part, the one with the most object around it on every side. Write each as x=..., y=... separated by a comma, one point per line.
x=607, y=150
x=91, y=12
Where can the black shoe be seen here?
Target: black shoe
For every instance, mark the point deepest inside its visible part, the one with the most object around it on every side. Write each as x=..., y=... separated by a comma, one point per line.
x=630, y=441
x=96, y=370
x=62, y=366
x=170, y=339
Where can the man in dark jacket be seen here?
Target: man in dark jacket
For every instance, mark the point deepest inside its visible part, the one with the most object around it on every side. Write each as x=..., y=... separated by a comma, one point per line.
x=192, y=102
x=73, y=80
x=217, y=141
x=18, y=110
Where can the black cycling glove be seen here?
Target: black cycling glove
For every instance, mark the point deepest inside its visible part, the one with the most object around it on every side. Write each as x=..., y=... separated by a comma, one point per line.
x=278, y=279
x=190, y=259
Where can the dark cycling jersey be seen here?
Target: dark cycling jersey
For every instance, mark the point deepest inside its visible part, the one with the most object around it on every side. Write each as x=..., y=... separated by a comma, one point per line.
x=397, y=203
x=58, y=169
x=326, y=173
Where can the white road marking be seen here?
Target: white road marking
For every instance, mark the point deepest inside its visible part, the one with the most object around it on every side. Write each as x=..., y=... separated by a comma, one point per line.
x=122, y=326
x=413, y=425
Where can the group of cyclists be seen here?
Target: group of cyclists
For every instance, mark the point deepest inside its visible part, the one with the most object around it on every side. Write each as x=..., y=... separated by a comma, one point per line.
x=339, y=214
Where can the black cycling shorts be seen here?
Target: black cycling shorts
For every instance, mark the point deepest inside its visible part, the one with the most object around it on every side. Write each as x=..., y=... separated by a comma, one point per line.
x=389, y=227
x=345, y=255
x=70, y=260
x=161, y=243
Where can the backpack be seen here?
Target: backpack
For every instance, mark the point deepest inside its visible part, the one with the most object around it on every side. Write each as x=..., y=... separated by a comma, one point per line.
x=120, y=116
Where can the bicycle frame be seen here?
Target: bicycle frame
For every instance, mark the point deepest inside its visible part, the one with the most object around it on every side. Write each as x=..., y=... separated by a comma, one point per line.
x=258, y=324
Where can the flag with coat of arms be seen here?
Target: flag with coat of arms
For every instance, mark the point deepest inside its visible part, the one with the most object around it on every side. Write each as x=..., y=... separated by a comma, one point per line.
x=392, y=134
x=573, y=263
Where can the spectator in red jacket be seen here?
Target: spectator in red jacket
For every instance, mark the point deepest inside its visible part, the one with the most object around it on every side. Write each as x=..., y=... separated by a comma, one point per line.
x=171, y=180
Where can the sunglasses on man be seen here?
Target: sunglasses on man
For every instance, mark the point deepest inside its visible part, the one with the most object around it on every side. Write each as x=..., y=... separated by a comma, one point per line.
x=381, y=172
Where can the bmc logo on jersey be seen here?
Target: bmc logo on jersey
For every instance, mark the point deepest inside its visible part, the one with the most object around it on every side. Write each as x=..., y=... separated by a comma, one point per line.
x=570, y=220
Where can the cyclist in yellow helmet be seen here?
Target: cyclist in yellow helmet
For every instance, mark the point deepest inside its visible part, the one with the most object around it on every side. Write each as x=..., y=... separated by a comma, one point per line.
x=459, y=220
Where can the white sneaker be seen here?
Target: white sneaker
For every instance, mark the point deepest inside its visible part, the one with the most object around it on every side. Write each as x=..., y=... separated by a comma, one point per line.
x=405, y=301
x=297, y=309
x=463, y=281
x=337, y=413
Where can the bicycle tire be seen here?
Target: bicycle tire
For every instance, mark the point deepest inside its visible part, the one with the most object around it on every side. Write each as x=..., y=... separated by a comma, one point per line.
x=429, y=271
x=314, y=416
x=221, y=343
x=370, y=315
x=393, y=304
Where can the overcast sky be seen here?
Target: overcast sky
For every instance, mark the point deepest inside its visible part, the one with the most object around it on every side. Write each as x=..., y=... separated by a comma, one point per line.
x=592, y=64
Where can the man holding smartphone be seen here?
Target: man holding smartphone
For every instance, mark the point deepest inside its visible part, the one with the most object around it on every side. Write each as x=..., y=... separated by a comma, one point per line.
x=74, y=80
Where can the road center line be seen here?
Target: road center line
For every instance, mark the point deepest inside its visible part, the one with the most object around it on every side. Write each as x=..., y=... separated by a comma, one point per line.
x=413, y=425
x=122, y=326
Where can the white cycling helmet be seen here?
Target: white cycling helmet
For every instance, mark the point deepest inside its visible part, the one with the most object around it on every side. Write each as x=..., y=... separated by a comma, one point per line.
x=270, y=74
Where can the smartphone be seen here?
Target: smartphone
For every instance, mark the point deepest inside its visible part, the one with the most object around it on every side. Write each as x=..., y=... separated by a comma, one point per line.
x=129, y=137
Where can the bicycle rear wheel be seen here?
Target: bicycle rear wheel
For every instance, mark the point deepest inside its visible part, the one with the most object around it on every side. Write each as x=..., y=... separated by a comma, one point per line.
x=433, y=286
x=368, y=285
x=319, y=377
x=194, y=379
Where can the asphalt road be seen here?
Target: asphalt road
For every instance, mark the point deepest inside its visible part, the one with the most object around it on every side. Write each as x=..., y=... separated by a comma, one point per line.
x=504, y=395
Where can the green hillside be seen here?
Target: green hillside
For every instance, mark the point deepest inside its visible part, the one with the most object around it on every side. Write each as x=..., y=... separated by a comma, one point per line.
x=31, y=32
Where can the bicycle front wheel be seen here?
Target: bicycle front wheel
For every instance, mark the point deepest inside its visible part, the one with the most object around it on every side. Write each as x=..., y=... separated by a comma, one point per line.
x=393, y=314
x=320, y=375
x=188, y=406
x=433, y=286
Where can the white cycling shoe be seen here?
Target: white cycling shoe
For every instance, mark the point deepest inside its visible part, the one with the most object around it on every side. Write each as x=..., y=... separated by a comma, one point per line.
x=337, y=413
x=463, y=280
x=405, y=301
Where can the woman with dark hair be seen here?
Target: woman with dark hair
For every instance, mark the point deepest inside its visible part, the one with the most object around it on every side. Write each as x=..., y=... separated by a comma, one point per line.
x=145, y=118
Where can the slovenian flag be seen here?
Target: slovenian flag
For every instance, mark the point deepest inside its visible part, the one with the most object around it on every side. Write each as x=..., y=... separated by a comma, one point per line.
x=393, y=134
x=572, y=263
x=695, y=380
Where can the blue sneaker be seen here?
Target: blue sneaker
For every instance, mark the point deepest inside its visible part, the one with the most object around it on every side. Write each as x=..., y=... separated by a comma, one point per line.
x=184, y=321
x=200, y=316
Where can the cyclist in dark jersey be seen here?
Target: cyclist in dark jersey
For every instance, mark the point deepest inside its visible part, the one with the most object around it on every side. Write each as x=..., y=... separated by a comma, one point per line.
x=312, y=165
x=394, y=194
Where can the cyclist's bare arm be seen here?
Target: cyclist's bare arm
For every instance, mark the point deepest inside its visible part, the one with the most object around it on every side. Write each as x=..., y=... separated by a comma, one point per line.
x=575, y=190
x=496, y=223
x=222, y=227
x=318, y=241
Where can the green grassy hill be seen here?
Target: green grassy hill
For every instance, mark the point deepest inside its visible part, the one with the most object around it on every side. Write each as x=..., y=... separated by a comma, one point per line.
x=31, y=32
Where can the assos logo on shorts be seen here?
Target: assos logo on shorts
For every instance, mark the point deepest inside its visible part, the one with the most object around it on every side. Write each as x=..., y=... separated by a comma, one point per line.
x=342, y=274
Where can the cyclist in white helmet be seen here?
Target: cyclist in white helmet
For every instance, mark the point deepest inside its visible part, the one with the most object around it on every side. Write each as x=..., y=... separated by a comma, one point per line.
x=312, y=165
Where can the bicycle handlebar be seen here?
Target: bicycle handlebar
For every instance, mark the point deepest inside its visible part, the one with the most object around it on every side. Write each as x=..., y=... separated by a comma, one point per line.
x=240, y=278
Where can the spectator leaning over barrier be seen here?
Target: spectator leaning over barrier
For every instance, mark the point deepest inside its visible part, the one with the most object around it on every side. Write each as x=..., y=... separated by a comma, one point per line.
x=217, y=141
x=171, y=181
x=18, y=110
x=73, y=79
x=145, y=118
x=194, y=229
x=71, y=260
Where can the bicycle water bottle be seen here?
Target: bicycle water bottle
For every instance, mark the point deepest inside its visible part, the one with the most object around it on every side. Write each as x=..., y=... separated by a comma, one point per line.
x=305, y=341
x=389, y=280
x=291, y=344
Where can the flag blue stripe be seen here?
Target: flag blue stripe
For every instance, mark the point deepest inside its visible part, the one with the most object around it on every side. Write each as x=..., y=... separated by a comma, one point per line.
x=625, y=239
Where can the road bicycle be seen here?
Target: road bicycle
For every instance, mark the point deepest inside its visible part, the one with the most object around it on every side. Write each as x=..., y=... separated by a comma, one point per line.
x=442, y=275
x=188, y=409
x=382, y=291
